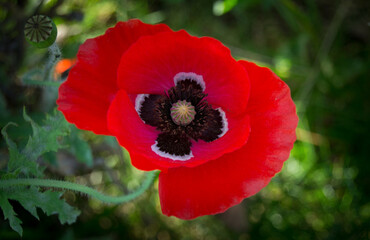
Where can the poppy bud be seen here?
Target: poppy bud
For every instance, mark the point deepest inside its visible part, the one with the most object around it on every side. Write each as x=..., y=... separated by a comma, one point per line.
x=40, y=31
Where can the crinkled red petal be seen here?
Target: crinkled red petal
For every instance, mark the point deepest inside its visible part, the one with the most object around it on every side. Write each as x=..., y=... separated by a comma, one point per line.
x=138, y=137
x=150, y=65
x=143, y=163
x=132, y=133
x=219, y=184
x=235, y=138
x=85, y=97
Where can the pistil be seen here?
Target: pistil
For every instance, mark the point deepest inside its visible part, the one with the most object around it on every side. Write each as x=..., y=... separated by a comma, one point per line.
x=182, y=113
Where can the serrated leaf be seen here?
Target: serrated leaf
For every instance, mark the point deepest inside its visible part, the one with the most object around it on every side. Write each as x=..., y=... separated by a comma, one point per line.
x=14, y=222
x=9, y=142
x=52, y=203
x=44, y=138
x=24, y=197
x=49, y=201
x=18, y=161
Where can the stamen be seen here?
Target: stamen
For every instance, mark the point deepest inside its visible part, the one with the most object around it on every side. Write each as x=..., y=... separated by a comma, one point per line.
x=182, y=113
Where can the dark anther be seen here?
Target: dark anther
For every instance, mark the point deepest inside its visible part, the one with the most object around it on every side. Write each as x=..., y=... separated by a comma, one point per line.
x=178, y=145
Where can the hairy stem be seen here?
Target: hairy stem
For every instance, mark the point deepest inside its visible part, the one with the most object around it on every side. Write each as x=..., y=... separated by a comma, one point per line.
x=81, y=188
x=54, y=56
x=41, y=83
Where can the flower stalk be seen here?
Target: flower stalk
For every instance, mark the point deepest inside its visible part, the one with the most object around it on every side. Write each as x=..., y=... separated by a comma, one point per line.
x=150, y=177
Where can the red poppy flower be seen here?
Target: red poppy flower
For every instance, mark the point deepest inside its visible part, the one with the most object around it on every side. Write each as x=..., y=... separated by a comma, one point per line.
x=217, y=128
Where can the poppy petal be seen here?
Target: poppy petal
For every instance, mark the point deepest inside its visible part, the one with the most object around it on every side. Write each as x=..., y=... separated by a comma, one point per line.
x=131, y=132
x=236, y=137
x=142, y=163
x=219, y=184
x=154, y=63
x=85, y=97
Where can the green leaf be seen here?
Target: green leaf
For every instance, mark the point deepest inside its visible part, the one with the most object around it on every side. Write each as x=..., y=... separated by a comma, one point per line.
x=222, y=7
x=14, y=222
x=18, y=161
x=45, y=138
x=52, y=203
x=9, y=142
x=49, y=201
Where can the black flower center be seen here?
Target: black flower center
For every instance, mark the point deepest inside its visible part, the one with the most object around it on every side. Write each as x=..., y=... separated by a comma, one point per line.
x=180, y=115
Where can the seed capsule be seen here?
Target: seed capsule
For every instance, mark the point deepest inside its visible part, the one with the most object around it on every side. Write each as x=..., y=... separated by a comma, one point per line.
x=182, y=113
x=40, y=31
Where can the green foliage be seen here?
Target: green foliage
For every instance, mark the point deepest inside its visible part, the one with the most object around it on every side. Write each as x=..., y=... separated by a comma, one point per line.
x=79, y=147
x=18, y=162
x=24, y=163
x=48, y=201
x=45, y=138
x=9, y=214
x=222, y=7
x=30, y=79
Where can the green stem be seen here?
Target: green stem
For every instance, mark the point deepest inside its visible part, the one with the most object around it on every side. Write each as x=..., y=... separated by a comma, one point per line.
x=46, y=77
x=54, y=56
x=81, y=188
x=41, y=83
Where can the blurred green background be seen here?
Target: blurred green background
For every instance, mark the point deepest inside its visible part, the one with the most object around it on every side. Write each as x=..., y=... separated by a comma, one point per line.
x=319, y=48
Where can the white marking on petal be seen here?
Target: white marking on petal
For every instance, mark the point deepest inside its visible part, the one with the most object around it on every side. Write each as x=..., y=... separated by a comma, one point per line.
x=225, y=124
x=155, y=149
x=190, y=75
x=139, y=101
